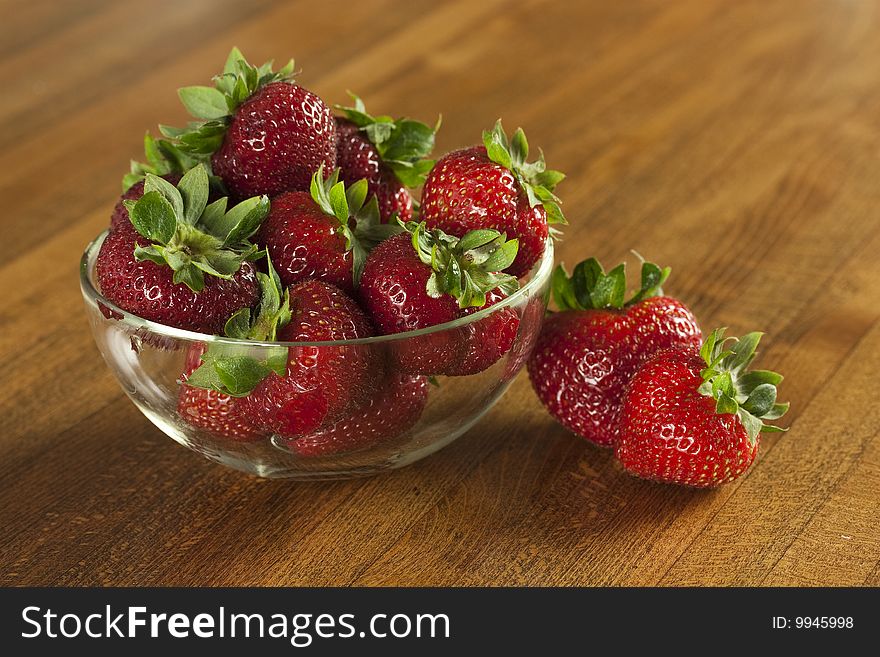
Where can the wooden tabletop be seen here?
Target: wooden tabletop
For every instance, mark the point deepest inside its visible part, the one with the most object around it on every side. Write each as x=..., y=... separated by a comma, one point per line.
x=738, y=142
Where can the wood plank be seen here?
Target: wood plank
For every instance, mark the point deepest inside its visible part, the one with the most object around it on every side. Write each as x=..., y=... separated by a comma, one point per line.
x=736, y=142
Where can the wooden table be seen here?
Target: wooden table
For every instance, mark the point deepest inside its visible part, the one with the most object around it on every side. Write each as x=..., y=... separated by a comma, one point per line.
x=738, y=142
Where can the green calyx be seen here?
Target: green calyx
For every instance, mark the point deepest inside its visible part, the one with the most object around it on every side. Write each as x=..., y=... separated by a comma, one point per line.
x=534, y=178
x=466, y=268
x=403, y=144
x=235, y=370
x=191, y=236
x=162, y=158
x=344, y=205
x=590, y=288
x=273, y=313
x=213, y=107
x=750, y=395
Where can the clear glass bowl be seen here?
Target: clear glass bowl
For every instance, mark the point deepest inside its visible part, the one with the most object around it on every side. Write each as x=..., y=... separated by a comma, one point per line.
x=149, y=360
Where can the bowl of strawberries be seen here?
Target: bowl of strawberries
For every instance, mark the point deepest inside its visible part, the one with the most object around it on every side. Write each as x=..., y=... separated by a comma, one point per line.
x=272, y=294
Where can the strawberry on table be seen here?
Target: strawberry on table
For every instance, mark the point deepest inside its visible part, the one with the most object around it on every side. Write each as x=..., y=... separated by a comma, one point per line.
x=492, y=186
x=390, y=154
x=262, y=133
x=389, y=412
x=694, y=416
x=587, y=352
x=423, y=278
x=323, y=234
x=181, y=261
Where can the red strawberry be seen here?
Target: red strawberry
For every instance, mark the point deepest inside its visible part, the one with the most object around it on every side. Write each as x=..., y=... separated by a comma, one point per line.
x=357, y=158
x=318, y=384
x=263, y=133
x=487, y=339
x=218, y=374
x=389, y=154
x=586, y=354
x=390, y=412
x=693, y=417
x=309, y=235
x=492, y=186
x=217, y=413
x=156, y=266
x=420, y=279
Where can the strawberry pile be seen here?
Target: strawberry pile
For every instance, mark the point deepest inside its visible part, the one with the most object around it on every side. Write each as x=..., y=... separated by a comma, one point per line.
x=271, y=218
x=635, y=375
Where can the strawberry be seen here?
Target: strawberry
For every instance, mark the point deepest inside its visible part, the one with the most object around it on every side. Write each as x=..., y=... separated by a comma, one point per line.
x=219, y=414
x=485, y=340
x=492, y=186
x=315, y=385
x=262, y=133
x=309, y=235
x=587, y=352
x=388, y=153
x=391, y=411
x=420, y=279
x=218, y=374
x=694, y=416
x=181, y=261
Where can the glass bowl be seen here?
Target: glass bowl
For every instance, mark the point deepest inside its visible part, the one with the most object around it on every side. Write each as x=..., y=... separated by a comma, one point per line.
x=400, y=417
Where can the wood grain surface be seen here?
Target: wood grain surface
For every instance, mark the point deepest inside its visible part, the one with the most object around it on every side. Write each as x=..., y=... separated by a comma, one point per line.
x=738, y=142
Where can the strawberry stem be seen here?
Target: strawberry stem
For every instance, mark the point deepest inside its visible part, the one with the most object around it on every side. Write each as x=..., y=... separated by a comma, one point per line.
x=466, y=268
x=590, y=288
x=750, y=395
x=534, y=178
x=213, y=107
x=232, y=369
x=344, y=204
x=403, y=144
x=190, y=236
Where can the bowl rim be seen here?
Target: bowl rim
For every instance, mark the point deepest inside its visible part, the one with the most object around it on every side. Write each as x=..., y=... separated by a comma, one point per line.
x=539, y=274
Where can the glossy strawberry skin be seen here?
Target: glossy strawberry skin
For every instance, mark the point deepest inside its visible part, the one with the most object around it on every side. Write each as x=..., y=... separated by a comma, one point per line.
x=392, y=290
x=148, y=291
x=277, y=139
x=389, y=412
x=671, y=433
x=218, y=414
x=584, y=359
x=466, y=191
x=303, y=242
x=321, y=382
x=357, y=158
x=488, y=339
